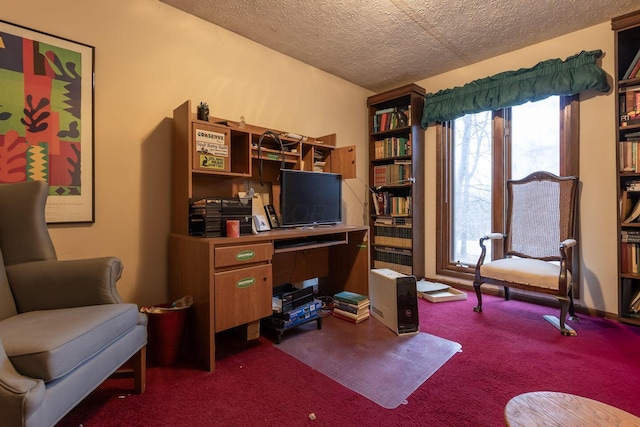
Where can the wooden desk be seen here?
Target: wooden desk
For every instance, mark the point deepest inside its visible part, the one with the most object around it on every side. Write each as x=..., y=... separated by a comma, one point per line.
x=231, y=280
x=546, y=408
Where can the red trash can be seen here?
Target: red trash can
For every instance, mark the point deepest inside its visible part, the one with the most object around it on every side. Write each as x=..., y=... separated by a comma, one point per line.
x=165, y=329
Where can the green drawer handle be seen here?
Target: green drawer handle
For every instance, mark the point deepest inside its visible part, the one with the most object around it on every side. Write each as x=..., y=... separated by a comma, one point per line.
x=245, y=255
x=246, y=282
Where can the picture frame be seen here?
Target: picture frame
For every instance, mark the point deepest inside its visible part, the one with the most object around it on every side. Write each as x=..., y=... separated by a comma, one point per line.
x=47, y=118
x=260, y=223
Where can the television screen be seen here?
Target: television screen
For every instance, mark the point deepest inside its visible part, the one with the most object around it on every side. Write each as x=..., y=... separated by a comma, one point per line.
x=310, y=198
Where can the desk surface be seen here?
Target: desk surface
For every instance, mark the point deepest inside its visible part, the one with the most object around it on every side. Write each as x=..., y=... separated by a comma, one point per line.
x=546, y=408
x=282, y=234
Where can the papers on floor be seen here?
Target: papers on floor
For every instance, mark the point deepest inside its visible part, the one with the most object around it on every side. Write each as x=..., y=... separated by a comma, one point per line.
x=438, y=292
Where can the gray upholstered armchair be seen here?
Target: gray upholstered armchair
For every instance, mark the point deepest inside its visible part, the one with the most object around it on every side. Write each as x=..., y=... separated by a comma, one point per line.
x=63, y=327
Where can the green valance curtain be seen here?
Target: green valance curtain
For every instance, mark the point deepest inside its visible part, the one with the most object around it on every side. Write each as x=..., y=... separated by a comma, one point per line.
x=575, y=74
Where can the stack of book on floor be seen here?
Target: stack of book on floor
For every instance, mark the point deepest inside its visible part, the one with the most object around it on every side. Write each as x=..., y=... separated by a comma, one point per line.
x=438, y=292
x=351, y=306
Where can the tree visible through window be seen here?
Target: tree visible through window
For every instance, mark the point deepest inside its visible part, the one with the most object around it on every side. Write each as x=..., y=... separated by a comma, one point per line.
x=471, y=190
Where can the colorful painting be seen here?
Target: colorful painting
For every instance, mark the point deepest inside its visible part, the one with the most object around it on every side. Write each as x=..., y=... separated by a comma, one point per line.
x=46, y=118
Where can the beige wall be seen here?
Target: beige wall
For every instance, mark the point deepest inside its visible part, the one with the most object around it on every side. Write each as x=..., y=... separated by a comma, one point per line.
x=597, y=235
x=150, y=58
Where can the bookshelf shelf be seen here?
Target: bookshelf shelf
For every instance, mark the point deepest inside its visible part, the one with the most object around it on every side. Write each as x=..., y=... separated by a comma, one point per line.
x=396, y=179
x=626, y=30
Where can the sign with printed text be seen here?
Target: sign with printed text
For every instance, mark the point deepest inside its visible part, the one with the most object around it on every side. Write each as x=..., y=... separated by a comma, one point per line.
x=213, y=143
x=212, y=162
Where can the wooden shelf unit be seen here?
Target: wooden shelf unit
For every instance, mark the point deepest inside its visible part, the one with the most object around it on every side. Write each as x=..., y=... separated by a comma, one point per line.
x=399, y=245
x=627, y=45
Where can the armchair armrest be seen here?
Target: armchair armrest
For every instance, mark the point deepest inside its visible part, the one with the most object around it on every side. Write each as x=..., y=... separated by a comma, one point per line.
x=20, y=396
x=483, y=253
x=52, y=284
x=493, y=236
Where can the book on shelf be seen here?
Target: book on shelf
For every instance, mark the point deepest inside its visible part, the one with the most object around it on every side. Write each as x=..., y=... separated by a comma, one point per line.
x=384, y=219
x=633, y=185
x=387, y=204
x=626, y=205
x=349, y=297
x=392, y=147
x=632, y=67
x=391, y=118
x=376, y=203
x=393, y=235
x=630, y=105
x=397, y=259
x=634, y=306
x=393, y=174
x=629, y=257
x=632, y=99
x=340, y=314
x=630, y=236
x=629, y=215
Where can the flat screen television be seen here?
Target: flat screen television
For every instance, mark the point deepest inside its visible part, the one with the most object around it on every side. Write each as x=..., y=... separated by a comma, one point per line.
x=310, y=198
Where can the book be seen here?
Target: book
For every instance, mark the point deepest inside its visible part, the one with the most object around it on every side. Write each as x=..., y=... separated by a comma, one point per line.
x=626, y=205
x=351, y=308
x=635, y=303
x=632, y=97
x=634, y=62
x=349, y=319
x=352, y=298
x=635, y=213
x=376, y=203
x=438, y=292
x=634, y=72
x=355, y=316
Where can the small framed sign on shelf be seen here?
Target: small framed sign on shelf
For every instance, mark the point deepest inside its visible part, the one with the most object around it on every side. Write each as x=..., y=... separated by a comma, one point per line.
x=260, y=222
x=211, y=149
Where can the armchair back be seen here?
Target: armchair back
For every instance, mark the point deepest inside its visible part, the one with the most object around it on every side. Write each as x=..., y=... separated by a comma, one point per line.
x=541, y=212
x=7, y=303
x=24, y=236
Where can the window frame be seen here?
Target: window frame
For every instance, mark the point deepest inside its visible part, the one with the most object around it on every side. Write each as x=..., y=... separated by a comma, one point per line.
x=569, y=112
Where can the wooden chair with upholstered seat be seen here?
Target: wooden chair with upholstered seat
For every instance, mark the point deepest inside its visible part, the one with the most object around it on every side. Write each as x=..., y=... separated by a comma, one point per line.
x=537, y=244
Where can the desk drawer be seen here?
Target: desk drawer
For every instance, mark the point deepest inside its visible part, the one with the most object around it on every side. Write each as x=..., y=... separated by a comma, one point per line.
x=242, y=295
x=226, y=256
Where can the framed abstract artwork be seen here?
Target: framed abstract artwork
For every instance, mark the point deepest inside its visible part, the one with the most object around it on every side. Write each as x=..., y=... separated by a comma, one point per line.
x=47, y=118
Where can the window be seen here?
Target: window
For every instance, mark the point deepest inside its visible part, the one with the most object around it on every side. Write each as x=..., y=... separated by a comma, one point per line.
x=478, y=153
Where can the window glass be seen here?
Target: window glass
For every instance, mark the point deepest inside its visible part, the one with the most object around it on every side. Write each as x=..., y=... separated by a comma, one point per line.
x=535, y=137
x=531, y=143
x=471, y=186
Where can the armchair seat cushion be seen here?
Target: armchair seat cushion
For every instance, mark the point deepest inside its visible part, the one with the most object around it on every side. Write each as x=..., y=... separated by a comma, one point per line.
x=61, y=340
x=526, y=271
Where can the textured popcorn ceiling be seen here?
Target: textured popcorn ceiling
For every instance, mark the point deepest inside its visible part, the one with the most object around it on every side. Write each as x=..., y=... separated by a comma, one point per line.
x=380, y=44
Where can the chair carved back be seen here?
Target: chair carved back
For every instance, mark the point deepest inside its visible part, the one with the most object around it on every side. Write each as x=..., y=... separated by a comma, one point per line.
x=540, y=213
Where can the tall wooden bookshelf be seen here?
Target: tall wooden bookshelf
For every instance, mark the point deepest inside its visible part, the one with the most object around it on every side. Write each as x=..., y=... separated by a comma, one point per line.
x=627, y=87
x=396, y=179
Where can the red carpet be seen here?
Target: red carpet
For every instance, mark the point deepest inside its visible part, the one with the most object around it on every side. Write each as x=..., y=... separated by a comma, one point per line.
x=507, y=350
